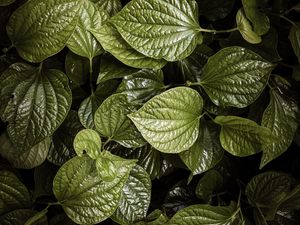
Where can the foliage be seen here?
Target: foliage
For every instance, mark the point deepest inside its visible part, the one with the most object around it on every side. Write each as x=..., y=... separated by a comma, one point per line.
x=149, y=112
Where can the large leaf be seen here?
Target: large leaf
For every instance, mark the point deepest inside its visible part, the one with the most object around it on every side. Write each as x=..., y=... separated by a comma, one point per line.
x=205, y=214
x=35, y=101
x=111, y=121
x=294, y=37
x=19, y=217
x=41, y=28
x=235, y=77
x=170, y=121
x=135, y=199
x=110, y=6
x=14, y=195
x=167, y=31
x=82, y=42
x=242, y=137
x=113, y=42
x=280, y=118
x=84, y=196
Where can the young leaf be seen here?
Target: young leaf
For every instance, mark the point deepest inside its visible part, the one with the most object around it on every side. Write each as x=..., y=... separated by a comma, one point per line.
x=84, y=196
x=170, y=121
x=14, y=194
x=294, y=37
x=235, y=76
x=167, y=31
x=18, y=217
x=35, y=101
x=111, y=120
x=242, y=137
x=89, y=141
x=205, y=214
x=280, y=118
x=110, y=6
x=41, y=28
x=135, y=199
x=113, y=42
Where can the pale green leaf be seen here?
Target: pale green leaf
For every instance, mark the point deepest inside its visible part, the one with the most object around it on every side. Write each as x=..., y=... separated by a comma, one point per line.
x=41, y=28
x=6, y=2
x=113, y=42
x=111, y=121
x=13, y=194
x=170, y=121
x=294, y=37
x=135, y=199
x=169, y=30
x=110, y=6
x=88, y=141
x=18, y=217
x=84, y=196
x=35, y=101
x=280, y=118
x=235, y=76
x=242, y=137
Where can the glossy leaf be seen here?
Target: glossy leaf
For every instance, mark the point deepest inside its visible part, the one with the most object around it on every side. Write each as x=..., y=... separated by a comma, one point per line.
x=111, y=121
x=167, y=31
x=294, y=37
x=280, y=118
x=242, y=137
x=88, y=141
x=135, y=199
x=18, y=217
x=35, y=102
x=113, y=42
x=41, y=28
x=110, y=6
x=169, y=121
x=14, y=195
x=84, y=196
x=235, y=77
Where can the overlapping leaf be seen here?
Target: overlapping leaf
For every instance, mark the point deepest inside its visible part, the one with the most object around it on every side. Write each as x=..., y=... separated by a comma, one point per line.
x=110, y=6
x=294, y=37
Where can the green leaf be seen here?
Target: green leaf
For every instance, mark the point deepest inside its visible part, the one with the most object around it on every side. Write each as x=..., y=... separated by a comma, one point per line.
x=169, y=30
x=205, y=214
x=205, y=153
x=235, y=76
x=296, y=73
x=6, y=2
x=170, y=121
x=242, y=137
x=111, y=121
x=259, y=20
x=215, y=10
x=40, y=28
x=281, y=118
x=294, y=37
x=38, y=219
x=110, y=6
x=135, y=199
x=84, y=196
x=113, y=42
x=82, y=42
x=14, y=195
x=292, y=201
x=245, y=28
x=88, y=141
x=18, y=217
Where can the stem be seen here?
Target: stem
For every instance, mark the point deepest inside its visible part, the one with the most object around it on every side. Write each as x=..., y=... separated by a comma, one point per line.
x=5, y=50
x=106, y=142
x=218, y=31
x=286, y=65
x=91, y=75
x=207, y=113
x=41, y=66
x=283, y=17
x=189, y=84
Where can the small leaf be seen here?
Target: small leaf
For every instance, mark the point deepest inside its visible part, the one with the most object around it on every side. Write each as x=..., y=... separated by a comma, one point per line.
x=235, y=76
x=110, y=6
x=113, y=42
x=170, y=121
x=18, y=217
x=89, y=141
x=14, y=195
x=167, y=31
x=242, y=137
x=294, y=37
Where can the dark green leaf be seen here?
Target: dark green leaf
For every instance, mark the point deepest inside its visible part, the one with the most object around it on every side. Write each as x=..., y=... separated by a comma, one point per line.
x=215, y=10
x=294, y=37
x=38, y=218
x=6, y=2
x=18, y=217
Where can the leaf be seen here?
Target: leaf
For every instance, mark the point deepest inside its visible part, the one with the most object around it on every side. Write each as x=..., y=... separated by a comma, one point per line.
x=235, y=76
x=110, y=6
x=296, y=73
x=292, y=200
x=206, y=151
x=82, y=42
x=281, y=118
x=169, y=121
x=35, y=102
x=40, y=28
x=294, y=37
x=18, y=217
x=84, y=196
x=205, y=214
x=245, y=28
x=167, y=31
x=215, y=10
x=154, y=218
x=135, y=199
x=88, y=141
x=113, y=42
x=111, y=121
x=29, y=159
x=6, y=2
x=259, y=20
x=14, y=195
x=38, y=218
x=242, y=137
